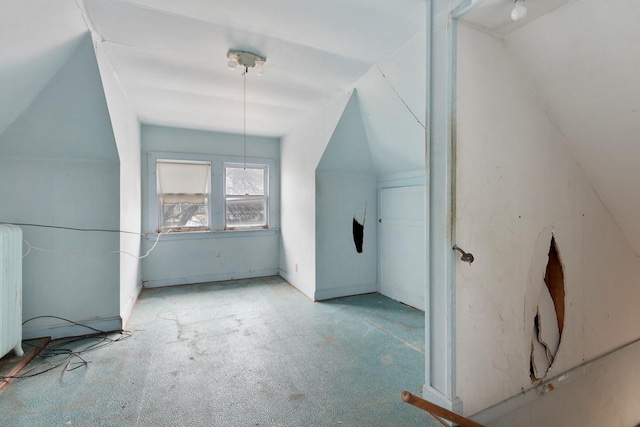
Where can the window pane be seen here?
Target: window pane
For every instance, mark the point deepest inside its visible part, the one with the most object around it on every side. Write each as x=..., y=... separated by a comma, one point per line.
x=244, y=182
x=185, y=215
x=246, y=211
x=183, y=195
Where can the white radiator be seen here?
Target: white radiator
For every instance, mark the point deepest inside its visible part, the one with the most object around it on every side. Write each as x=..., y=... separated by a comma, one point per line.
x=10, y=289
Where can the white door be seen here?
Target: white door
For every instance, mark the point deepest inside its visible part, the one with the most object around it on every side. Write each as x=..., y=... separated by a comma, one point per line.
x=402, y=244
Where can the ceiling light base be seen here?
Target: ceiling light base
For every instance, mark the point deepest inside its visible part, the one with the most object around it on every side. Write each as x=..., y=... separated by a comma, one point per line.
x=246, y=60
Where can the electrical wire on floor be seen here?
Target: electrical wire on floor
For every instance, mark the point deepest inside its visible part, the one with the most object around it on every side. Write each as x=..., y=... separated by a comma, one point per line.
x=62, y=352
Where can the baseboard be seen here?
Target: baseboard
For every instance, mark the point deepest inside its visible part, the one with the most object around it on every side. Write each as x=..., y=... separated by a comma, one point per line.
x=158, y=283
x=128, y=308
x=286, y=276
x=64, y=329
x=408, y=298
x=324, y=294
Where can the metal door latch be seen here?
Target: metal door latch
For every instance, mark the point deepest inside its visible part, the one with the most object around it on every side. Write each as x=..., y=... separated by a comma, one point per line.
x=466, y=256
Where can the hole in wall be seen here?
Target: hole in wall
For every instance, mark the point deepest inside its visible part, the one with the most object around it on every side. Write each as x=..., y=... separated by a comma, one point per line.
x=358, y=234
x=358, y=230
x=548, y=322
x=554, y=279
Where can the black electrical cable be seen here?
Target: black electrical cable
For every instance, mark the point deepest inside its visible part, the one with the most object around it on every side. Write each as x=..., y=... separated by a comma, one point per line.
x=65, y=320
x=101, y=340
x=60, y=227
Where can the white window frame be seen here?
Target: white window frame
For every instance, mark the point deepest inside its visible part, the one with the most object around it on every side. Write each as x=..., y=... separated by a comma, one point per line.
x=216, y=199
x=186, y=229
x=265, y=169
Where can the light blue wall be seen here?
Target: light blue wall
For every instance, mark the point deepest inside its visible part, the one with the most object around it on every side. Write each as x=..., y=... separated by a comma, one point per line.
x=180, y=259
x=59, y=166
x=345, y=188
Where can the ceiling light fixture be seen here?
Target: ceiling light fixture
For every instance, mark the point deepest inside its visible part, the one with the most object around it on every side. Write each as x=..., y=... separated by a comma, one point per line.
x=246, y=60
x=519, y=10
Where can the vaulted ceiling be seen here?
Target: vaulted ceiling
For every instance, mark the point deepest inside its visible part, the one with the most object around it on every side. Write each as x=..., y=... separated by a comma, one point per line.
x=580, y=56
x=171, y=57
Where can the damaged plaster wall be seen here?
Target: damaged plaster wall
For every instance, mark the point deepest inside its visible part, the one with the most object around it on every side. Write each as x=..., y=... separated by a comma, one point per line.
x=517, y=186
x=545, y=304
x=346, y=190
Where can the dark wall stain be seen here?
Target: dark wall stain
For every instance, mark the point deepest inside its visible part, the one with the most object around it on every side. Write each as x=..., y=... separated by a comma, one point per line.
x=358, y=234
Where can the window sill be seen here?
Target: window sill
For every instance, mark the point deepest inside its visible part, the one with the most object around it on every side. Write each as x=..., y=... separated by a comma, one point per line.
x=216, y=234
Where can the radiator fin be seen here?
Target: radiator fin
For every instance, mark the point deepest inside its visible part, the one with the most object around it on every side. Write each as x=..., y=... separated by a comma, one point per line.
x=10, y=289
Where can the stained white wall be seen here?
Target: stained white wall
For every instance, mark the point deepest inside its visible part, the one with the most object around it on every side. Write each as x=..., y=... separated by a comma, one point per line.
x=346, y=187
x=582, y=61
x=517, y=183
x=300, y=153
x=126, y=129
x=216, y=256
x=59, y=166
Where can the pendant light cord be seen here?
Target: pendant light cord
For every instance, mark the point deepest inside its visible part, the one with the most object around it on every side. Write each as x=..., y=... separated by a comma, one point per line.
x=246, y=69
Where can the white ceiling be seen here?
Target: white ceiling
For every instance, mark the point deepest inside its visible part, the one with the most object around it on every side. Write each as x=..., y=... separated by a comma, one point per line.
x=171, y=57
x=494, y=16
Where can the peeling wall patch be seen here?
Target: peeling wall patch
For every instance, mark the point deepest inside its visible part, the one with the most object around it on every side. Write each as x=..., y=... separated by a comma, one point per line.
x=548, y=322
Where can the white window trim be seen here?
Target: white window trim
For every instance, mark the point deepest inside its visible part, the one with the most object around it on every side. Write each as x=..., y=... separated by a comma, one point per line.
x=267, y=194
x=159, y=219
x=217, y=197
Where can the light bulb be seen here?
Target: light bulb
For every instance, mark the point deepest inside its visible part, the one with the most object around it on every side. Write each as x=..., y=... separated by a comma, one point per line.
x=259, y=67
x=233, y=63
x=519, y=10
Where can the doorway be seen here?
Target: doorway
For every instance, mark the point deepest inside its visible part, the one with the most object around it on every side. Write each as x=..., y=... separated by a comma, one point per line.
x=402, y=244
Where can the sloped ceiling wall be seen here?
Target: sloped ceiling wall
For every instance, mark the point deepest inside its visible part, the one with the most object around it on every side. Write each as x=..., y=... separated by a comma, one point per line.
x=347, y=150
x=393, y=96
x=59, y=166
x=36, y=38
x=583, y=61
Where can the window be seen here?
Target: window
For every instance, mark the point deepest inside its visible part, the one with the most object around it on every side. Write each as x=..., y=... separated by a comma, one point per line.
x=246, y=198
x=183, y=195
x=195, y=196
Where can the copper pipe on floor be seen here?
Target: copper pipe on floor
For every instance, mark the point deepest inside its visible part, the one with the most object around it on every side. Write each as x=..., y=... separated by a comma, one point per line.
x=437, y=410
